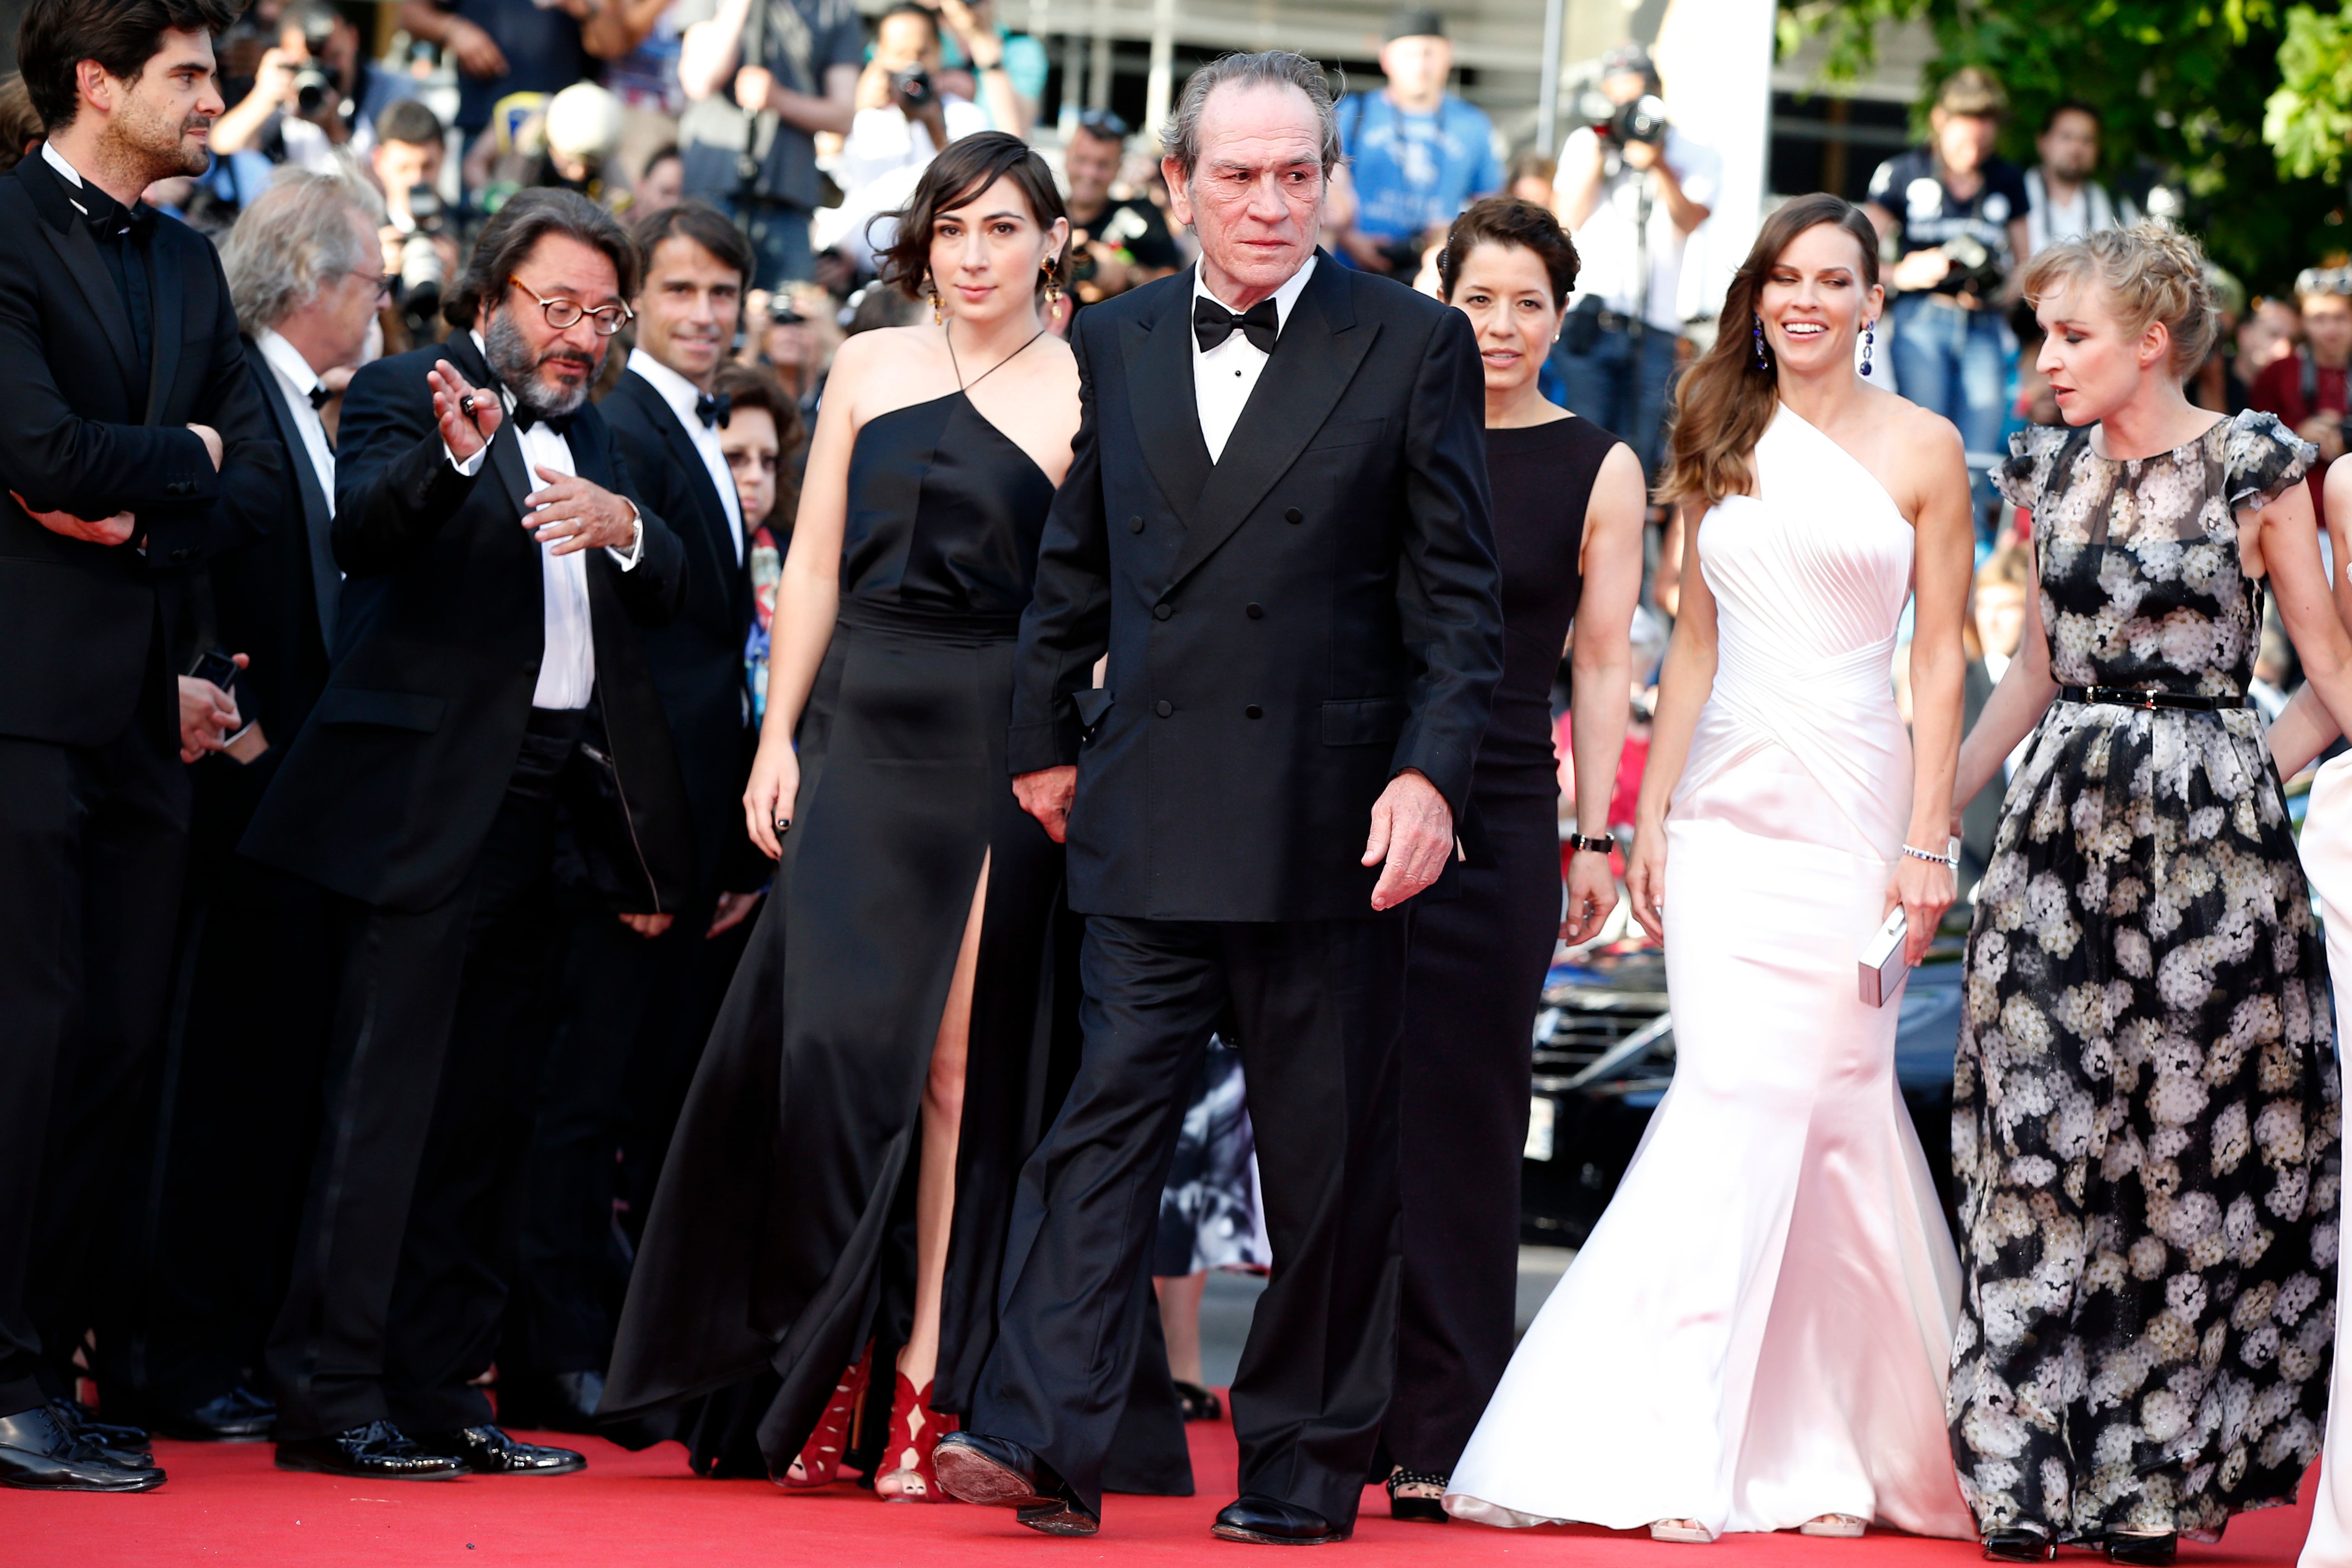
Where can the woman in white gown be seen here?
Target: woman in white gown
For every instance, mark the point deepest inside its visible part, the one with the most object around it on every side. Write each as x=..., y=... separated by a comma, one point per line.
x=1756, y=1335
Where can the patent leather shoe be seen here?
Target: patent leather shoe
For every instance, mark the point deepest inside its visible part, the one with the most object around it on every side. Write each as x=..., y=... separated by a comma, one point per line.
x=239, y=1416
x=996, y=1472
x=40, y=1453
x=123, y=1444
x=488, y=1452
x=1270, y=1522
x=553, y=1401
x=378, y=1451
x=2018, y=1543
x=2143, y=1550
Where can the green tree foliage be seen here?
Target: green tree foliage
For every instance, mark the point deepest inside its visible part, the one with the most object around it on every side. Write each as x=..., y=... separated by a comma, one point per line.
x=2189, y=90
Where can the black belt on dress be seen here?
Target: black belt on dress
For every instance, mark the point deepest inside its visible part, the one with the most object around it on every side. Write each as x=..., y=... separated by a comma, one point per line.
x=2135, y=696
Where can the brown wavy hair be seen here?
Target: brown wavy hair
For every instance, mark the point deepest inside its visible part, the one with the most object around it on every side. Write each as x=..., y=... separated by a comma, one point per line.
x=967, y=168
x=1727, y=399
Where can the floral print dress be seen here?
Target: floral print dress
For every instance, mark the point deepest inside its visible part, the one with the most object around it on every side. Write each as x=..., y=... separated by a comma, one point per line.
x=2145, y=1118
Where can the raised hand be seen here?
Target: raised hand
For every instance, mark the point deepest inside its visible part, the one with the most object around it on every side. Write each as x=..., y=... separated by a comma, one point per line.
x=578, y=515
x=106, y=530
x=468, y=419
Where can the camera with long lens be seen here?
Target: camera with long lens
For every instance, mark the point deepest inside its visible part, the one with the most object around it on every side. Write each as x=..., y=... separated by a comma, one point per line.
x=1975, y=269
x=913, y=86
x=314, y=90
x=421, y=276
x=1643, y=120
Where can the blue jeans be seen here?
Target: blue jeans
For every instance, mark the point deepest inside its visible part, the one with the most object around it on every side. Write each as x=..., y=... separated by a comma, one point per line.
x=1955, y=362
x=780, y=242
x=1608, y=386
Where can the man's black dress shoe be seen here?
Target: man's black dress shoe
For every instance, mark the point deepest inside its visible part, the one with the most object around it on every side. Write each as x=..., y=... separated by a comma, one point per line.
x=2018, y=1543
x=1270, y=1522
x=123, y=1444
x=487, y=1451
x=40, y=1453
x=239, y=1416
x=378, y=1451
x=995, y=1473
x=2143, y=1550
x=558, y=1402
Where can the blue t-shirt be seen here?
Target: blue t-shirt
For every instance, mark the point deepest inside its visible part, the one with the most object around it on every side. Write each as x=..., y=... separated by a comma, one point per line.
x=1415, y=172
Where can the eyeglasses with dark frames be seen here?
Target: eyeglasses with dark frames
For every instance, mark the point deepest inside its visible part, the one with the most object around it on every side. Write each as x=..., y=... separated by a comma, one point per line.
x=562, y=313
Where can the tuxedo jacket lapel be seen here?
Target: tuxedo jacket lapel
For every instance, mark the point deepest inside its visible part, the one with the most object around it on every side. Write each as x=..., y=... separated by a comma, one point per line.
x=1309, y=369
x=710, y=539
x=1167, y=414
x=164, y=281
x=74, y=245
x=318, y=516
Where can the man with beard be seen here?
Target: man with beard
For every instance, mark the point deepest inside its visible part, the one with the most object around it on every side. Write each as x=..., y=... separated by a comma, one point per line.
x=490, y=679
x=131, y=437
x=2068, y=201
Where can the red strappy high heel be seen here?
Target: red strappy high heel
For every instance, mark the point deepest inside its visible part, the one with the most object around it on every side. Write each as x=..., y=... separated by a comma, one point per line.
x=906, y=1443
x=820, y=1460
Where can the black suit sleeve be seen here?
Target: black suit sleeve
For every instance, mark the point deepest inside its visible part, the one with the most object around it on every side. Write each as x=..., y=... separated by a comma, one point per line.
x=252, y=475
x=1067, y=626
x=395, y=485
x=655, y=588
x=60, y=461
x=1449, y=595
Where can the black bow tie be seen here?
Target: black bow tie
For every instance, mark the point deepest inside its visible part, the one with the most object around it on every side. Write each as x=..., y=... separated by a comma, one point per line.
x=558, y=423
x=713, y=410
x=1212, y=324
x=319, y=395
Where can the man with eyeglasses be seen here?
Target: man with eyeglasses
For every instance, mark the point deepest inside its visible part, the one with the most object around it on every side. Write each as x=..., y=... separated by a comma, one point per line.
x=2308, y=387
x=490, y=683
x=1115, y=245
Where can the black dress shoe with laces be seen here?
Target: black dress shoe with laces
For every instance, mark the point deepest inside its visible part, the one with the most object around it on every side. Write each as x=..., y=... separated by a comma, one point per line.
x=556, y=1402
x=487, y=1451
x=1270, y=1522
x=123, y=1444
x=378, y=1451
x=239, y=1416
x=996, y=1472
x=40, y=1453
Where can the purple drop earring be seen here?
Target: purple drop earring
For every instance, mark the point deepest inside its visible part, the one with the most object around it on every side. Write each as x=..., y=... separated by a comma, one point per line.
x=1869, y=337
x=1761, y=363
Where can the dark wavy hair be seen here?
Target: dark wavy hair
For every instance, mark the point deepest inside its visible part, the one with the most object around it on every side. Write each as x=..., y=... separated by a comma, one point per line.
x=963, y=171
x=700, y=222
x=1506, y=220
x=756, y=387
x=510, y=238
x=122, y=36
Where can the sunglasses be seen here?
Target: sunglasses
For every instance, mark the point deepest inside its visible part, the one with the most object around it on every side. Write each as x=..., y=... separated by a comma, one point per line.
x=1103, y=123
x=2324, y=281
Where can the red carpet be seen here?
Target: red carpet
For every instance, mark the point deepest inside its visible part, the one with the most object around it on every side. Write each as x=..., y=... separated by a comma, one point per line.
x=227, y=1504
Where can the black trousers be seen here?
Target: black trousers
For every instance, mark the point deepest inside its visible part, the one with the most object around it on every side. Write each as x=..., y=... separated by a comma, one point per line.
x=415, y=1195
x=1319, y=1006
x=93, y=840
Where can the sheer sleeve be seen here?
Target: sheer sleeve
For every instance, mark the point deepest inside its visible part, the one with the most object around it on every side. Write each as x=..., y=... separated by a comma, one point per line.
x=2019, y=477
x=2263, y=459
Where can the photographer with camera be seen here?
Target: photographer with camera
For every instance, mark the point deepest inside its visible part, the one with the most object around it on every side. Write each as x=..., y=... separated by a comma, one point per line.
x=1416, y=154
x=313, y=91
x=420, y=243
x=1961, y=214
x=1115, y=245
x=905, y=115
x=2308, y=386
x=1631, y=188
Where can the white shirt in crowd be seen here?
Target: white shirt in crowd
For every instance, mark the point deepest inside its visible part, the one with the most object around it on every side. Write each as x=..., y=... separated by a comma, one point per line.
x=881, y=159
x=1225, y=376
x=681, y=396
x=1610, y=241
x=567, y=669
x=296, y=378
x=2048, y=222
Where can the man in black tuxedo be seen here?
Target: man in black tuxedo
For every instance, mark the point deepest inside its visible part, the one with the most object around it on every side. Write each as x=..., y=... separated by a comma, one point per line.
x=634, y=981
x=126, y=422
x=1275, y=523
x=488, y=677
x=210, y=1238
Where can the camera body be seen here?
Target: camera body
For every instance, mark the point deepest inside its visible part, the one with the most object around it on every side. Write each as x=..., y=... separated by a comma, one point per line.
x=314, y=88
x=913, y=86
x=422, y=275
x=1975, y=269
x=1621, y=125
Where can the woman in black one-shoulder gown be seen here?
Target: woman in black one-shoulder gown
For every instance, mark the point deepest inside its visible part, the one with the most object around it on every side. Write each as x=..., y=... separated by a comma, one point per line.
x=887, y=1054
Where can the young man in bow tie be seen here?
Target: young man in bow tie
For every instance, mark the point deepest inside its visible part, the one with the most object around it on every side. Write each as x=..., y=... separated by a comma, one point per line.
x=1275, y=525
x=489, y=671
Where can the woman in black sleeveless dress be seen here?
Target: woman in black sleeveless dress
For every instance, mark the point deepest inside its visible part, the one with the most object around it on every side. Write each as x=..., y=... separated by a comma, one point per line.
x=806, y=1208
x=1567, y=499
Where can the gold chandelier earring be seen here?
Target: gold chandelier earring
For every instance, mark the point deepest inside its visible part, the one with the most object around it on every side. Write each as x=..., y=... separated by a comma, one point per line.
x=938, y=315
x=1053, y=284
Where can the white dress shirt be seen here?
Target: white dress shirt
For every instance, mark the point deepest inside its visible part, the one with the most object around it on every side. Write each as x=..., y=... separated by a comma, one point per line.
x=295, y=379
x=1611, y=241
x=681, y=394
x=1225, y=376
x=567, y=669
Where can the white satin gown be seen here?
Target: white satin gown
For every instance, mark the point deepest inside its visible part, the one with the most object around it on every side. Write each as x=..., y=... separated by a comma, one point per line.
x=1759, y=1329
x=2327, y=846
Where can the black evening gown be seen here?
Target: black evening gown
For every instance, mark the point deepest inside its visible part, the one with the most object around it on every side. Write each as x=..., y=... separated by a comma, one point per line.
x=780, y=1236
x=1477, y=971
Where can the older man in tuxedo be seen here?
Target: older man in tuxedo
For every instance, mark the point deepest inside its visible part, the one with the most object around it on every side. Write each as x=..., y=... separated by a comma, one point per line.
x=1275, y=524
x=489, y=678
x=126, y=422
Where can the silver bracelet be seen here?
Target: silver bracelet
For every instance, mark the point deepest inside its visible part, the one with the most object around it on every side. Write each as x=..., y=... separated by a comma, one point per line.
x=1929, y=855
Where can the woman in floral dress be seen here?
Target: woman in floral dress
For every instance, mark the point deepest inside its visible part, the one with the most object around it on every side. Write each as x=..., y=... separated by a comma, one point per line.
x=2146, y=1121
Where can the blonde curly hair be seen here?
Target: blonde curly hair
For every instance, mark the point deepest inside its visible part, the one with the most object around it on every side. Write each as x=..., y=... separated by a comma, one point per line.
x=2151, y=272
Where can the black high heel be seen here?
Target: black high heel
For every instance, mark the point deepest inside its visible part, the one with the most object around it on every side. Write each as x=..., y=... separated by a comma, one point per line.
x=2151, y=1551
x=2018, y=1543
x=1417, y=1510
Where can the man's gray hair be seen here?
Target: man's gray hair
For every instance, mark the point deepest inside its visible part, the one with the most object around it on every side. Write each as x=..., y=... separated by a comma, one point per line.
x=294, y=239
x=1181, y=137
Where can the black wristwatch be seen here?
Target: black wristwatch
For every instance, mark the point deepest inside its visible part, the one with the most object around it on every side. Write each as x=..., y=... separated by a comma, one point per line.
x=1600, y=844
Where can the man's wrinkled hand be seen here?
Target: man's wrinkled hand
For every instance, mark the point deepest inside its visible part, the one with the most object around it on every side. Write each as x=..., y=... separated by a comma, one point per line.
x=464, y=430
x=572, y=514
x=1412, y=832
x=1047, y=794
x=106, y=530
x=208, y=717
